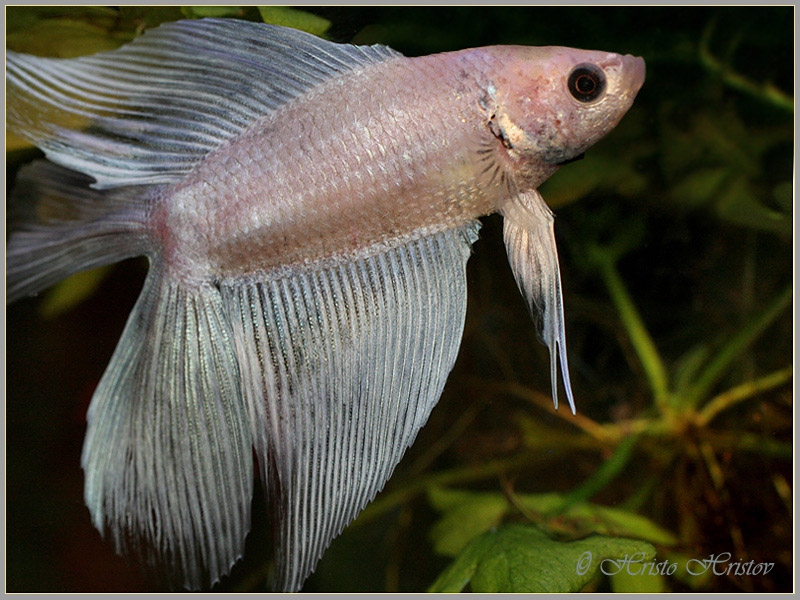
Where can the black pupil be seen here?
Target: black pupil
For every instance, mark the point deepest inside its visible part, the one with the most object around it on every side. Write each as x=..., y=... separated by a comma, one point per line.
x=586, y=83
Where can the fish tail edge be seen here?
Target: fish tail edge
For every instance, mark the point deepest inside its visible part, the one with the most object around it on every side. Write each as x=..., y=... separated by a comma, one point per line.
x=59, y=226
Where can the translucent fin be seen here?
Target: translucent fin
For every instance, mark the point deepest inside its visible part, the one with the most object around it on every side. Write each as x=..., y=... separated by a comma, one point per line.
x=531, y=246
x=168, y=453
x=60, y=226
x=149, y=111
x=341, y=367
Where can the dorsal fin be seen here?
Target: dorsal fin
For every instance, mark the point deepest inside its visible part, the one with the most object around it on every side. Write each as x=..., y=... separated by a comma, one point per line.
x=148, y=112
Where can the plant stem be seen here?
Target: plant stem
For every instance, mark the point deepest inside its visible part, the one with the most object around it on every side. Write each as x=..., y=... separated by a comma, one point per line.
x=742, y=392
x=733, y=349
x=604, y=433
x=634, y=325
x=750, y=442
x=397, y=497
x=605, y=474
x=766, y=92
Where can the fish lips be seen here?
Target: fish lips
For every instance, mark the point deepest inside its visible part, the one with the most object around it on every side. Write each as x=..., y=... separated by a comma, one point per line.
x=580, y=156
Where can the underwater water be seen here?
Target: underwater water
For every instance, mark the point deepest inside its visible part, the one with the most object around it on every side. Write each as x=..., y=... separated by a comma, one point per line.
x=676, y=244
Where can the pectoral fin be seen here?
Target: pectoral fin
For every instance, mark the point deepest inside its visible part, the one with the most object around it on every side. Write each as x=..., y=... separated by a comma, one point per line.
x=341, y=367
x=531, y=246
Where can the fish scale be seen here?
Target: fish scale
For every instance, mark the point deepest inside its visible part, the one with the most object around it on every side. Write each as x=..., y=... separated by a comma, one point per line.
x=345, y=202
x=308, y=210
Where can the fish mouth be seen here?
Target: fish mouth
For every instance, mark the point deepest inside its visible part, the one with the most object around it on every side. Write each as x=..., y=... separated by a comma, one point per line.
x=580, y=156
x=635, y=67
x=629, y=69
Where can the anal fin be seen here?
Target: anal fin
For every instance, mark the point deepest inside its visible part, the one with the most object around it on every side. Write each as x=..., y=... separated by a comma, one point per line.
x=167, y=454
x=341, y=367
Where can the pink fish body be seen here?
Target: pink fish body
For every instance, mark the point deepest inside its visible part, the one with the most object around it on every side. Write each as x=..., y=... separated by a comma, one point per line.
x=308, y=209
x=364, y=158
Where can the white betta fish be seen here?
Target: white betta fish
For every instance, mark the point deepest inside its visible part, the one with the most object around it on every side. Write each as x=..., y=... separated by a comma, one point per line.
x=308, y=209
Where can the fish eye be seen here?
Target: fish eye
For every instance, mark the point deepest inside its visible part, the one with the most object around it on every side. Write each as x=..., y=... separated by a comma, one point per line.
x=586, y=82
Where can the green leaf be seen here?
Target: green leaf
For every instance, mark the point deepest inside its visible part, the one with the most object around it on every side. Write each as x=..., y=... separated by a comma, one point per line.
x=739, y=203
x=14, y=143
x=700, y=187
x=688, y=570
x=65, y=38
x=291, y=17
x=139, y=18
x=21, y=18
x=622, y=522
x=589, y=518
x=638, y=583
x=70, y=292
x=466, y=515
x=198, y=12
x=520, y=558
x=70, y=31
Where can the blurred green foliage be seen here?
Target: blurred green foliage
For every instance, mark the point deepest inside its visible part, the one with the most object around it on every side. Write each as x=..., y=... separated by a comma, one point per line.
x=676, y=244
x=467, y=514
x=520, y=558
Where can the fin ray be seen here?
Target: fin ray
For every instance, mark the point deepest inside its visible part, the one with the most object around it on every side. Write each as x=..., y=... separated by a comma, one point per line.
x=167, y=454
x=341, y=366
x=528, y=230
x=59, y=226
x=152, y=109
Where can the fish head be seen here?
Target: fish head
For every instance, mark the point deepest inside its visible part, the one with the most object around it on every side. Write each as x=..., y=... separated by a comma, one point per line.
x=549, y=104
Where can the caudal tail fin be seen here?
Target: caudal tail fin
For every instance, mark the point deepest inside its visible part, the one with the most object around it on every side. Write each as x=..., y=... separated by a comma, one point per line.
x=167, y=454
x=59, y=226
